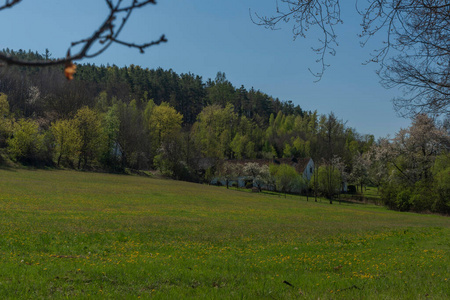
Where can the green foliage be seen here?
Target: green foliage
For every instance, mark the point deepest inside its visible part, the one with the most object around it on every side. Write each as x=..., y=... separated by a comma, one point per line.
x=351, y=189
x=403, y=200
x=127, y=116
x=328, y=181
x=67, y=141
x=221, y=91
x=6, y=122
x=301, y=148
x=173, y=160
x=286, y=177
x=360, y=170
x=134, y=141
x=27, y=143
x=164, y=121
x=4, y=105
x=242, y=147
x=441, y=173
x=102, y=102
x=250, y=150
x=418, y=163
x=209, y=175
x=150, y=105
x=288, y=151
x=420, y=202
x=110, y=157
x=88, y=124
x=215, y=129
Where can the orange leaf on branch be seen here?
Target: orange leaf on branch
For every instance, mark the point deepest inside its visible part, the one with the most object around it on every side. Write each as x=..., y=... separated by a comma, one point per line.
x=69, y=70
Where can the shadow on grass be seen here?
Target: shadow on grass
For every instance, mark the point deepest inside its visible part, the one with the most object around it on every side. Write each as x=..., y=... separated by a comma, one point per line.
x=296, y=196
x=347, y=201
x=7, y=168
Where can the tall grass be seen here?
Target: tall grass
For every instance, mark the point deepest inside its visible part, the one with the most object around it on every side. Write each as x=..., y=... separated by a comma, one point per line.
x=85, y=235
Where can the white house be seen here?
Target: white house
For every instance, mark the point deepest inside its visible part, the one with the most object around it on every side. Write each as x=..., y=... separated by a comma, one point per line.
x=304, y=166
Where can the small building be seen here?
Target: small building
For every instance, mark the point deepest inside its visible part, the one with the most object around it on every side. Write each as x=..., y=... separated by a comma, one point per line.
x=303, y=166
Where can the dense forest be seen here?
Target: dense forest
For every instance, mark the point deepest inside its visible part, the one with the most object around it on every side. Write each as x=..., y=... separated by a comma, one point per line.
x=130, y=118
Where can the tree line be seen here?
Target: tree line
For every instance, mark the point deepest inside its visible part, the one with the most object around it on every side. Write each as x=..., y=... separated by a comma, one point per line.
x=114, y=119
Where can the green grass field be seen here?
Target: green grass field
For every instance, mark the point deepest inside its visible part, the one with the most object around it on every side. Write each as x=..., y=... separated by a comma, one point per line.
x=67, y=234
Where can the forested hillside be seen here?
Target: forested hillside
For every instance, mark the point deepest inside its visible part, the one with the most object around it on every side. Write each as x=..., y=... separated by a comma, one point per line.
x=223, y=121
x=112, y=119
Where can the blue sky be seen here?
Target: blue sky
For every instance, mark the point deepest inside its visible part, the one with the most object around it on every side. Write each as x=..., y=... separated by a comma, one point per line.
x=209, y=36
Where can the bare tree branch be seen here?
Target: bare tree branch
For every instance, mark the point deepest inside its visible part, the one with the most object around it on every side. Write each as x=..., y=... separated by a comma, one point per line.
x=9, y=4
x=106, y=34
x=420, y=37
x=415, y=53
x=307, y=14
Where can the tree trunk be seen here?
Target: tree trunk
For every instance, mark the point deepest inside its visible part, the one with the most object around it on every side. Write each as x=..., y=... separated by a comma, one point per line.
x=315, y=182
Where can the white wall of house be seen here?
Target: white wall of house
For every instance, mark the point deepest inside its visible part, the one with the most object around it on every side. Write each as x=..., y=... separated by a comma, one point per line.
x=344, y=187
x=309, y=170
x=240, y=182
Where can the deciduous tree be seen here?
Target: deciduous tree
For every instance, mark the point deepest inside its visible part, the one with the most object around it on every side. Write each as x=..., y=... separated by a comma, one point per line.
x=414, y=177
x=6, y=122
x=27, y=143
x=67, y=141
x=286, y=177
x=215, y=129
x=228, y=172
x=258, y=173
x=88, y=124
x=414, y=54
x=164, y=121
x=329, y=181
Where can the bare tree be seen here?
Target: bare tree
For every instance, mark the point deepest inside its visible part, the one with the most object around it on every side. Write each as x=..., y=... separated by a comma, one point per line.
x=307, y=14
x=415, y=54
x=421, y=34
x=104, y=36
x=258, y=173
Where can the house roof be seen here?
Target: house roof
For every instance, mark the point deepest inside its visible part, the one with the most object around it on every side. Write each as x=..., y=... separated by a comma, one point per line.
x=302, y=163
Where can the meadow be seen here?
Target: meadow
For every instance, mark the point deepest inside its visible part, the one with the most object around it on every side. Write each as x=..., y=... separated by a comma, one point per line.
x=67, y=234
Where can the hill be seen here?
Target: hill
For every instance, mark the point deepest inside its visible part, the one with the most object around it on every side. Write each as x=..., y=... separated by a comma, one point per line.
x=77, y=234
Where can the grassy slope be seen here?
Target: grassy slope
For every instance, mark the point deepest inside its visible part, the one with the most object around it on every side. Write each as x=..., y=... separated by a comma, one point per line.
x=88, y=235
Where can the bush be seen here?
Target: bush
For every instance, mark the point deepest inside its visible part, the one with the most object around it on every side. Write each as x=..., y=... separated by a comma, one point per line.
x=403, y=200
x=441, y=185
x=419, y=202
x=351, y=189
x=422, y=197
x=28, y=145
x=389, y=195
